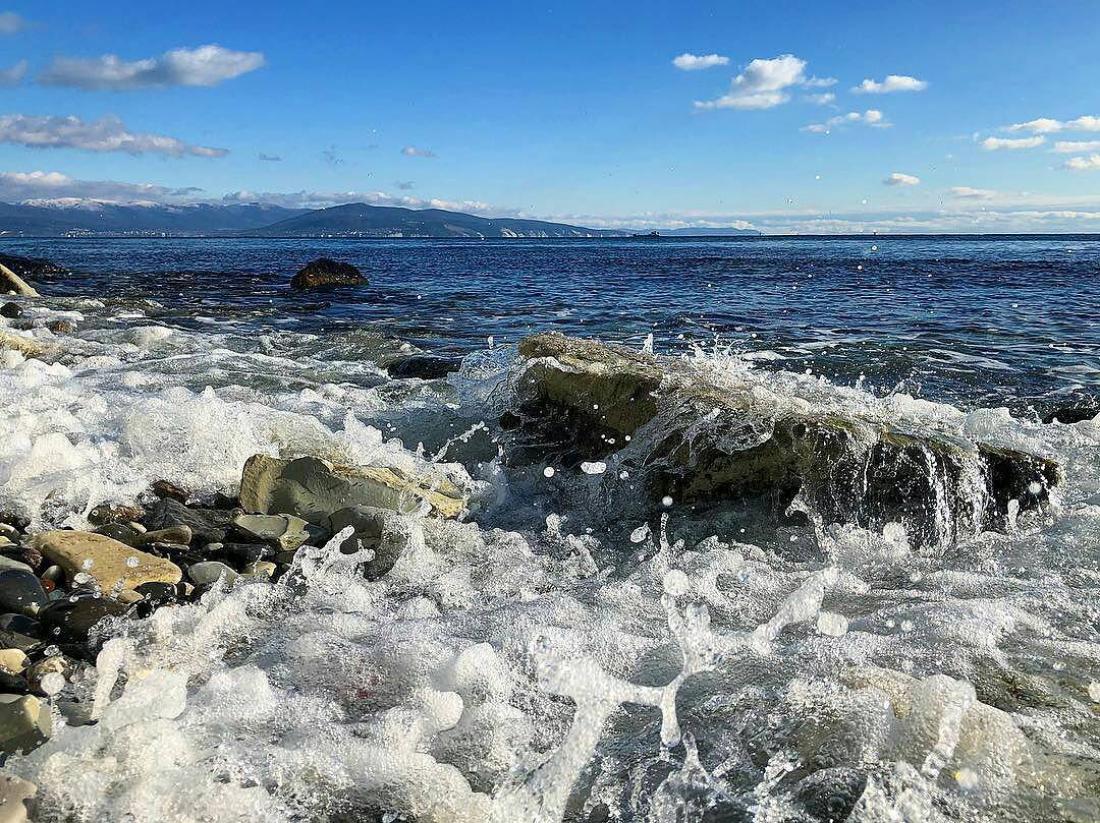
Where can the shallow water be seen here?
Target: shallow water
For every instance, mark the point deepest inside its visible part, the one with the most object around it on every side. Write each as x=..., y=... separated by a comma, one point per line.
x=573, y=651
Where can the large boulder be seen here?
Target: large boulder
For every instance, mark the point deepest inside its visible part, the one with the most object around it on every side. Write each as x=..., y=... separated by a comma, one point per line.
x=31, y=268
x=325, y=273
x=114, y=566
x=313, y=489
x=698, y=436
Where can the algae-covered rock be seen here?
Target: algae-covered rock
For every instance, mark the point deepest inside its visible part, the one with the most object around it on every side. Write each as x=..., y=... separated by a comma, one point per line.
x=313, y=489
x=698, y=437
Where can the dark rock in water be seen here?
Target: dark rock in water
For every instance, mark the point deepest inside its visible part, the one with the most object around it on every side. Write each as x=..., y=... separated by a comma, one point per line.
x=18, y=640
x=11, y=311
x=32, y=268
x=424, y=367
x=20, y=624
x=13, y=684
x=830, y=795
x=121, y=532
x=1076, y=413
x=379, y=530
x=62, y=326
x=169, y=491
x=21, y=592
x=242, y=554
x=326, y=273
x=25, y=723
x=700, y=437
x=224, y=501
x=207, y=525
x=76, y=619
x=16, y=521
x=153, y=596
x=104, y=514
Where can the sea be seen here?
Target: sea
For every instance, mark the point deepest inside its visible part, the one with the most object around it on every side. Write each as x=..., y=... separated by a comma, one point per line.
x=570, y=652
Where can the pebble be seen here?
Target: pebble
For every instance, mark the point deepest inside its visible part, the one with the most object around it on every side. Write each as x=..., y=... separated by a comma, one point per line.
x=169, y=491
x=21, y=592
x=209, y=572
x=44, y=668
x=283, y=531
x=14, y=792
x=113, y=565
x=76, y=619
x=13, y=661
x=25, y=723
x=102, y=515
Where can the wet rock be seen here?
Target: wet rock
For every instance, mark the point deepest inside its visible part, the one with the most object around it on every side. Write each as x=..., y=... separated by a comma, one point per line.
x=16, y=640
x=263, y=569
x=55, y=665
x=181, y=535
x=19, y=623
x=244, y=553
x=11, y=311
x=27, y=346
x=830, y=795
x=379, y=530
x=114, y=566
x=207, y=525
x=73, y=620
x=62, y=326
x=31, y=268
x=25, y=723
x=122, y=532
x=105, y=514
x=13, y=661
x=169, y=491
x=12, y=283
x=209, y=572
x=326, y=273
x=1076, y=413
x=281, y=531
x=11, y=564
x=698, y=436
x=15, y=797
x=423, y=367
x=21, y=592
x=313, y=489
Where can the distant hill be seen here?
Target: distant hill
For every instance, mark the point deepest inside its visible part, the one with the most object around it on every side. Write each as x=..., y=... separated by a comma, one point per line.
x=59, y=218
x=362, y=220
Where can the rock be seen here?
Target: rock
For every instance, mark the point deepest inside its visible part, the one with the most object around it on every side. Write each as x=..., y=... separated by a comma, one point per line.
x=281, y=531
x=45, y=667
x=19, y=623
x=699, y=436
x=75, y=619
x=104, y=514
x=209, y=572
x=423, y=367
x=13, y=661
x=244, y=553
x=122, y=532
x=113, y=565
x=27, y=346
x=263, y=569
x=313, y=489
x=11, y=311
x=181, y=535
x=326, y=273
x=31, y=267
x=25, y=723
x=62, y=326
x=15, y=640
x=10, y=564
x=1076, y=413
x=12, y=283
x=379, y=530
x=14, y=796
x=169, y=491
x=207, y=525
x=21, y=592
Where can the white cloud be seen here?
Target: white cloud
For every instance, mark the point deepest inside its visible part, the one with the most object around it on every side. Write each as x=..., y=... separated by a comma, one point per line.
x=11, y=23
x=13, y=75
x=52, y=187
x=1048, y=125
x=203, y=66
x=321, y=200
x=899, y=179
x=892, y=83
x=1076, y=146
x=818, y=83
x=108, y=134
x=414, y=151
x=821, y=99
x=969, y=193
x=763, y=84
x=999, y=143
x=1090, y=163
x=695, y=62
x=871, y=117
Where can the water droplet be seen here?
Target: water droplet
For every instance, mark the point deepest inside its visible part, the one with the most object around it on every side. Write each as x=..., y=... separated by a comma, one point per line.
x=52, y=683
x=132, y=562
x=666, y=501
x=548, y=471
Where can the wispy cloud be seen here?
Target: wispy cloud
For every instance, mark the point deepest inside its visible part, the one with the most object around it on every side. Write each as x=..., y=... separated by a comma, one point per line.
x=332, y=156
x=1011, y=144
x=696, y=62
x=823, y=99
x=1090, y=163
x=13, y=75
x=322, y=199
x=108, y=134
x=900, y=179
x=1048, y=125
x=893, y=83
x=871, y=117
x=203, y=66
x=970, y=193
x=55, y=186
x=415, y=151
x=764, y=84
x=11, y=23
x=270, y=158
x=1076, y=146
x=405, y=185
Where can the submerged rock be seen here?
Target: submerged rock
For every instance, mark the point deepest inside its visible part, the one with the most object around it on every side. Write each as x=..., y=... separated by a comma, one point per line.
x=27, y=346
x=12, y=311
x=376, y=529
x=697, y=437
x=424, y=367
x=169, y=491
x=31, y=267
x=113, y=566
x=326, y=273
x=14, y=796
x=1076, y=413
x=25, y=723
x=313, y=489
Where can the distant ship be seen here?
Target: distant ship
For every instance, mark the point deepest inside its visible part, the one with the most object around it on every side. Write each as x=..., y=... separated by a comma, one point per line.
x=650, y=235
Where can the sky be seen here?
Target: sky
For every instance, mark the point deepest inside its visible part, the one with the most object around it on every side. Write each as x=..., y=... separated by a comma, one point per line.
x=806, y=117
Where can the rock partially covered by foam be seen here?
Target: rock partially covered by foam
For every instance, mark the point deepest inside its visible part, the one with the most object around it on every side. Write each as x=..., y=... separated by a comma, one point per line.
x=14, y=794
x=25, y=722
x=313, y=489
x=27, y=346
x=114, y=566
x=325, y=273
x=704, y=435
x=12, y=283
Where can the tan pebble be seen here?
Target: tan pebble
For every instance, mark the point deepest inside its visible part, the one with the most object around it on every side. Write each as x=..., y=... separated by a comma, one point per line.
x=113, y=565
x=14, y=792
x=12, y=661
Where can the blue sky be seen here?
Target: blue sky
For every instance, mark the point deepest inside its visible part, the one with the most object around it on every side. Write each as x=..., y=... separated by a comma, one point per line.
x=568, y=110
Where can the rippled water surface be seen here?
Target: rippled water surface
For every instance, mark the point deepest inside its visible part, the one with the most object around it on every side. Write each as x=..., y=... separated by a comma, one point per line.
x=577, y=648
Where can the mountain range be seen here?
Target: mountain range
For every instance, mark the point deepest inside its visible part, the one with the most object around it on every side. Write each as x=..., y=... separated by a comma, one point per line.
x=81, y=218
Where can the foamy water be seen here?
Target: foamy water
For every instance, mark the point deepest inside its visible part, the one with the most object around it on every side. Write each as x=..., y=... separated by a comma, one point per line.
x=568, y=653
